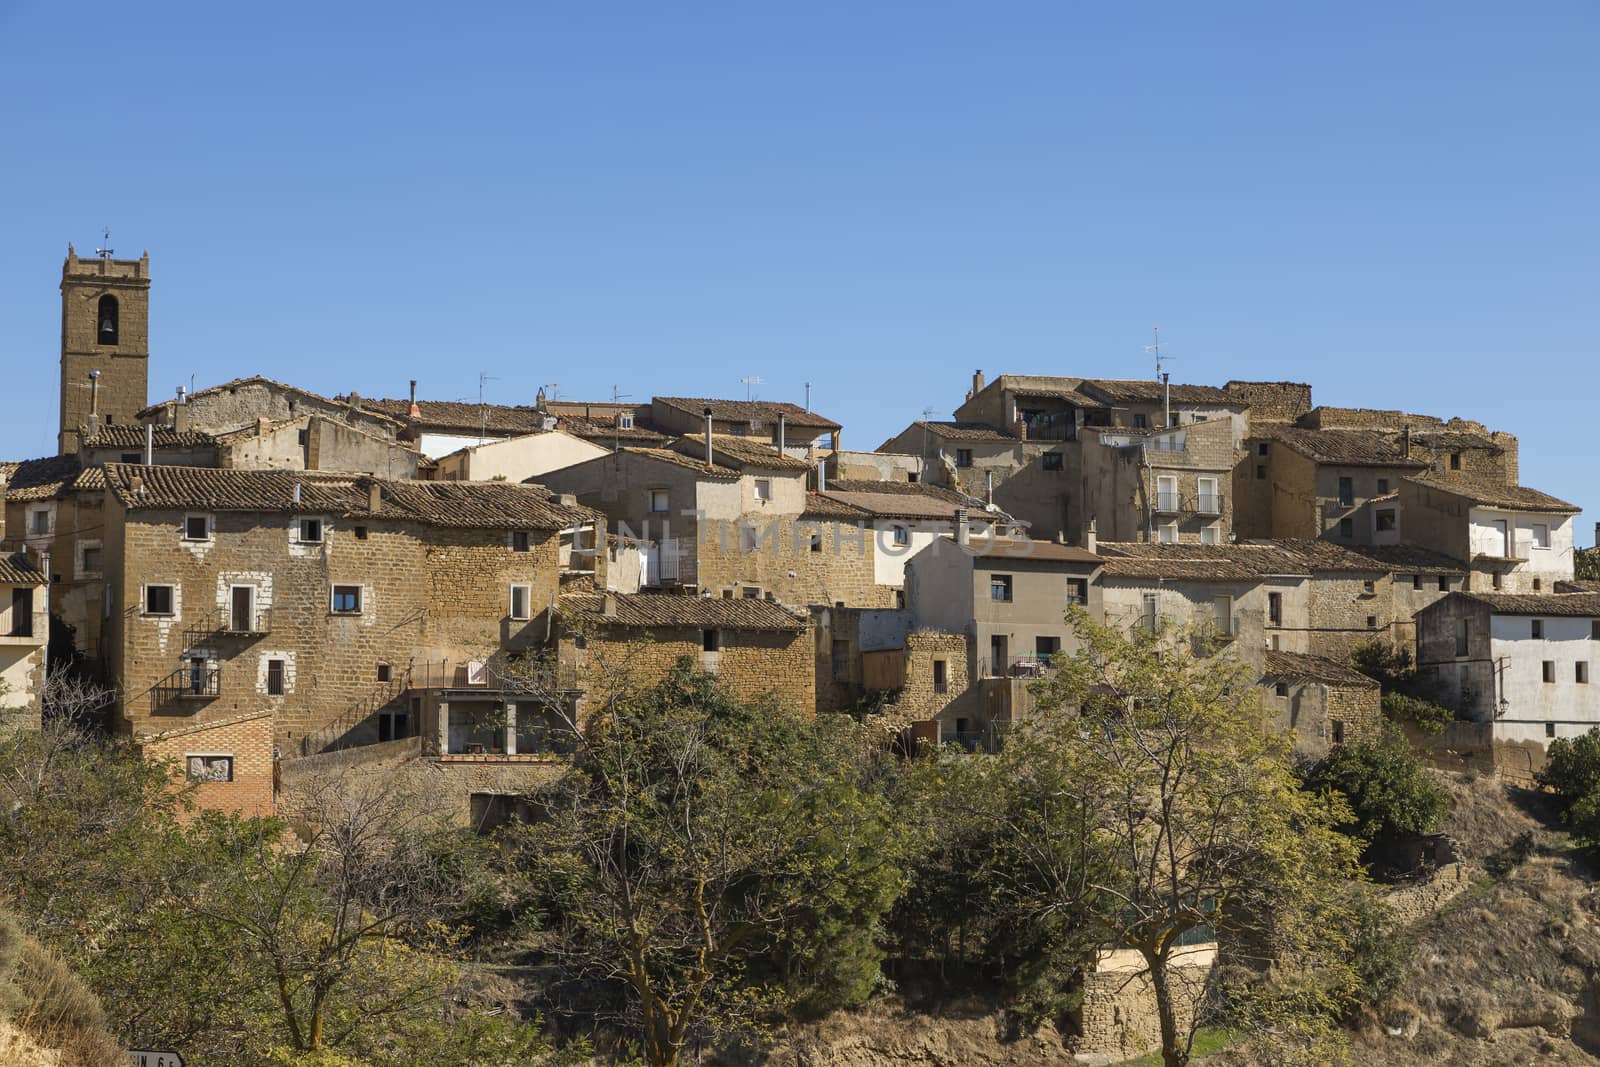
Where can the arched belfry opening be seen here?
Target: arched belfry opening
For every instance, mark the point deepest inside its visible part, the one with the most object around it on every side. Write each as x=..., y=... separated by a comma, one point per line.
x=106, y=328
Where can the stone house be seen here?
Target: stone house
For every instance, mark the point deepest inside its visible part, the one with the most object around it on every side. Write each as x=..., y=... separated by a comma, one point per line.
x=1165, y=485
x=1417, y=577
x=1519, y=662
x=24, y=630
x=339, y=605
x=1353, y=598
x=523, y=458
x=1320, y=701
x=1008, y=599
x=740, y=525
x=1301, y=483
x=790, y=428
x=244, y=402
x=616, y=643
x=1514, y=539
x=168, y=447
x=1243, y=598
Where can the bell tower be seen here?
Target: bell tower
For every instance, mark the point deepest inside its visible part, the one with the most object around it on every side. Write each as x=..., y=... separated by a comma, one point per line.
x=105, y=342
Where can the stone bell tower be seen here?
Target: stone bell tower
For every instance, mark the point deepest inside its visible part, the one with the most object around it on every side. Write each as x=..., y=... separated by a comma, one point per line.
x=105, y=343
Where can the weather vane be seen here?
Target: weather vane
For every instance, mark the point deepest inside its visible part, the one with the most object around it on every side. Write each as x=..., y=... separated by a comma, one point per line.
x=105, y=253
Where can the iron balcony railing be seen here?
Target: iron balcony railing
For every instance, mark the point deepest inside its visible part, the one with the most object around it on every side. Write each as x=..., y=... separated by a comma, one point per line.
x=256, y=622
x=189, y=684
x=1208, y=504
x=1168, y=503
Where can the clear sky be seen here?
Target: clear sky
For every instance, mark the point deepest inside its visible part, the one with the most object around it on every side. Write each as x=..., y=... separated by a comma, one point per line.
x=1396, y=203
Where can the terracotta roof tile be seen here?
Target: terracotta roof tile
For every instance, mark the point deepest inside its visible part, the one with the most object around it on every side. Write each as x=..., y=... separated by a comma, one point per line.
x=664, y=610
x=366, y=405
x=453, y=416
x=995, y=549
x=762, y=411
x=1216, y=563
x=967, y=431
x=1573, y=604
x=738, y=452
x=604, y=431
x=1298, y=667
x=39, y=479
x=131, y=437
x=1321, y=555
x=17, y=569
x=1490, y=494
x=1124, y=391
x=901, y=500
x=1409, y=559
x=1347, y=448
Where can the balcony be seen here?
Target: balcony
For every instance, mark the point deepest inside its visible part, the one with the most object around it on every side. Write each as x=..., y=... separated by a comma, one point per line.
x=247, y=624
x=188, y=685
x=1208, y=504
x=1168, y=503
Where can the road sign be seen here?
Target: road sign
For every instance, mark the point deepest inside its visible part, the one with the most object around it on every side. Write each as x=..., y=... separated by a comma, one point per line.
x=154, y=1059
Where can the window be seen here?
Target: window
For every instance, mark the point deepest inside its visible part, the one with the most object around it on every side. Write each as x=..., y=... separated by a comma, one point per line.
x=902, y=536
x=1455, y=461
x=196, y=528
x=1549, y=670
x=1498, y=582
x=361, y=533
x=89, y=556
x=1261, y=449
x=346, y=599
x=1582, y=669
x=709, y=641
x=1045, y=647
x=1140, y=422
x=110, y=321
x=301, y=438
x=1261, y=472
x=308, y=531
x=22, y=611
x=1211, y=535
x=1538, y=584
x=519, y=540
x=1372, y=622
x=1000, y=587
x=1338, y=732
x=209, y=768
x=1222, y=614
x=1051, y=461
x=1281, y=689
x=1594, y=629
x=1275, y=609
x=275, y=677
x=521, y=598
x=941, y=676
x=911, y=476
x=158, y=600
x=1444, y=584
x=658, y=501
x=1150, y=612
x=131, y=457
x=1167, y=534
x=1077, y=590
x=1347, y=528
x=1369, y=586
x=1549, y=729
x=1537, y=627
x=1347, y=491
x=1383, y=486
x=816, y=541
x=750, y=592
x=1541, y=535
x=963, y=457
x=1416, y=581
x=1210, y=500
x=1166, y=493
x=39, y=521
x=385, y=672
x=624, y=421
x=841, y=659
x=763, y=488
x=1463, y=635
x=1385, y=520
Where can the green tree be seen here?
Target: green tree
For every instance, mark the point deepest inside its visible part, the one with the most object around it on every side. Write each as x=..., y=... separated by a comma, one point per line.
x=1186, y=821
x=1572, y=771
x=1388, y=790
x=719, y=860
x=1405, y=699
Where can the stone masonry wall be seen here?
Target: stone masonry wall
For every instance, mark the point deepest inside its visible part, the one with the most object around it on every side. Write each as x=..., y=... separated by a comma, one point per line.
x=919, y=699
x=1118, y=1018
x=1415, y=903
x=750, y=663
x=781, y=561
x=1273, y=401
x=246, y=739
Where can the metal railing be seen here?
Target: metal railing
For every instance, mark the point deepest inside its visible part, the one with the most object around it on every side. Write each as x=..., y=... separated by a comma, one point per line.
x=188, y=683
x=222, y=623
x=259, y=622
x=334, y=735
x=1208, y=504
x=1168, y=503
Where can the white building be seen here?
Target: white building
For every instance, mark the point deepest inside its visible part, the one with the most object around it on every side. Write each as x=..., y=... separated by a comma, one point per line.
x=1521, y=662
x=906, y=517
x=1515, y=539
x=516, y=459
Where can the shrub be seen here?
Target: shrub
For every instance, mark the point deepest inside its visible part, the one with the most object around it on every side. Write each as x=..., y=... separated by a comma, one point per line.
x=1572, y=767
x=1425, y=715
x=1386, y=786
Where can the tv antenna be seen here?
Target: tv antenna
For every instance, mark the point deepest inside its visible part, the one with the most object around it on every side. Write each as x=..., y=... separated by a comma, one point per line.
x=752, y=380
x=484, y=377
x=616, y=397
x=1155, y=350
x=106, y=252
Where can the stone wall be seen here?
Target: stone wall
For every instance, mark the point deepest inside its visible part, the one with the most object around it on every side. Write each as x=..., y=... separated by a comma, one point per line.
x=121, y=390
x=920, y=698
x=1343, y=614
x=750, y=663
x=247, y=740
x=1415, y=903
x=1118, y=1019
x=780, y=561
x=1272, y=401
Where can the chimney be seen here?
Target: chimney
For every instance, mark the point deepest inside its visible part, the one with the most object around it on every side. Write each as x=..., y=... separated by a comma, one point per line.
x=414, y=411
x=136, y=483
x=374, y=496
x=1405, y=441
x=708, y=435
x=781, y=432
x=94, y=393
x=567, y=500
x=608, y=605
x=988, y=489
x=1091, y=541
x=977, y=384
x=149, y=445
x=961, y=526
x=263, y=424
x=822, y=475
x=1166, y=400
x=298, y=491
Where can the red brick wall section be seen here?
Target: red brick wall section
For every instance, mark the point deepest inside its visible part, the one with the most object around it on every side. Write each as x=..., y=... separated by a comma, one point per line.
x=247, y=739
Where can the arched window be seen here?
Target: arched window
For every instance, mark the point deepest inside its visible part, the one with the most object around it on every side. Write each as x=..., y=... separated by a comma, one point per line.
x=106, y=331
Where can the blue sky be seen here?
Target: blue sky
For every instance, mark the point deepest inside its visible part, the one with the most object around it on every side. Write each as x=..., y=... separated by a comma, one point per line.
x=1395, y=205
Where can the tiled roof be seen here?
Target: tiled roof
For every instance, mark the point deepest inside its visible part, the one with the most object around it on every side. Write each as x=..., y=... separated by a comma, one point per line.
x=90, y=478
x=1298, y=667
x=442, y=416
x=730, y=451
x=253, y=429
x=665, y=610
x=678, y=459
x=1455, y=440
x=1577, y=604
x=17, y=569
x=1347, y=448
x=39, y=479
x=826, y=506
x=993, y=549
x=1049, y=386
x=255, y=379
x=467, y=505
x=1409, y=559
x=1578, y=585
x=1121, y=391
x=604, y=431
x=762, y=411
x=1321, y=555
x=1489, y=494
x=967, y=431
x=1206, y=563
x=899, y=500
x=132, y=437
